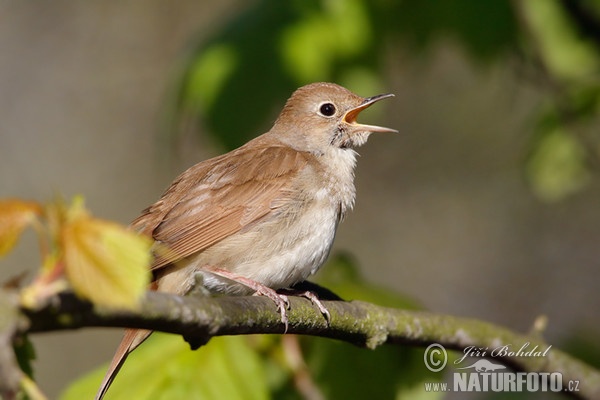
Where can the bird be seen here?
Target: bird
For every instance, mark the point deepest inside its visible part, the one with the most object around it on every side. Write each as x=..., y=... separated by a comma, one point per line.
x=261, y=217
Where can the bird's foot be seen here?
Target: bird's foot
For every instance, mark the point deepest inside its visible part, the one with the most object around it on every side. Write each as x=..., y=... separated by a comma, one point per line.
x=312, y=296
x=281, y=300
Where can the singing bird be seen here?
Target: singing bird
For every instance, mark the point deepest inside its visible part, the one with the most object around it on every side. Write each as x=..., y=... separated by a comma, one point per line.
x=263, y=216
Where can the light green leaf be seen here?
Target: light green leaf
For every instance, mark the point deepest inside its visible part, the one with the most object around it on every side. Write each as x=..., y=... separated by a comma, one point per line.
x=104, y=262
x=311, y=47
x=165, y=368
x=557, y=168
x=561, y=47
x=208, y=74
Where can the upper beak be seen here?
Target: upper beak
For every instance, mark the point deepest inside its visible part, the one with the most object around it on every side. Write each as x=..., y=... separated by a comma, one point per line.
x=351, y=115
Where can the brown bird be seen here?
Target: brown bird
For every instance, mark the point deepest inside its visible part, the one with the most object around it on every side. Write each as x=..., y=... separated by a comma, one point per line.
x=261, y=217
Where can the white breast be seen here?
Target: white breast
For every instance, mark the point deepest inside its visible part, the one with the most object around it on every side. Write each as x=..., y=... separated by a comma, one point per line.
x=300, y=249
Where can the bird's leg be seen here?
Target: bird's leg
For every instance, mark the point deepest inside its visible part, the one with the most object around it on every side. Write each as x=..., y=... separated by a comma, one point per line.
x=281, y=300
x=313, y=299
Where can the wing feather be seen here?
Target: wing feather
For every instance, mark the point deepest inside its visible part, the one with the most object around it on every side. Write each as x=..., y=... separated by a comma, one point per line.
x=219, y=197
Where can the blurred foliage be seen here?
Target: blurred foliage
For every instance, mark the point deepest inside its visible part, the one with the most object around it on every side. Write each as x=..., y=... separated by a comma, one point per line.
x=487, y=30
x=237, y=80
x=99, y=260
x=342, y=275
x=263, y=366
x=584, y=345
x=165, y=368
x=565, y=50
x=556, y=165
x=15, y=216
x=25, y=353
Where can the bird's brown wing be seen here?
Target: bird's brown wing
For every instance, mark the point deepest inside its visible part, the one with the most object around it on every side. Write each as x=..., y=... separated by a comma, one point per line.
x=219, y=197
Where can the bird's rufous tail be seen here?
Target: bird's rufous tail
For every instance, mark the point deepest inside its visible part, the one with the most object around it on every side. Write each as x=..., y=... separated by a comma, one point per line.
x=131, y=339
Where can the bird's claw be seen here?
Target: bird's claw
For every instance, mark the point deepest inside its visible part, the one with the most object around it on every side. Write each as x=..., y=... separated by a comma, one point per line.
x=307, y=294
x=281, y=301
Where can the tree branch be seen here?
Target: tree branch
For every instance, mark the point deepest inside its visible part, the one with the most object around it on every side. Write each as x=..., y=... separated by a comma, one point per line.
x=198, y=319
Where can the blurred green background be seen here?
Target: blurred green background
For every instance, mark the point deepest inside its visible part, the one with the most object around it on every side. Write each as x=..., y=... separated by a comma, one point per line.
x=485, y=205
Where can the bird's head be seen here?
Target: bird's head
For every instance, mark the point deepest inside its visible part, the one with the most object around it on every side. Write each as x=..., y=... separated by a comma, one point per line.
x=324, y=114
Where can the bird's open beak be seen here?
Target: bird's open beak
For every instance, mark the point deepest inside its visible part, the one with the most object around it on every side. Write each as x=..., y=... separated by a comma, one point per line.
x=351, y=115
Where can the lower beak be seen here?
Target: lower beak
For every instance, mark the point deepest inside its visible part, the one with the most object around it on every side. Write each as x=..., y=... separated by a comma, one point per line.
x=351, y=115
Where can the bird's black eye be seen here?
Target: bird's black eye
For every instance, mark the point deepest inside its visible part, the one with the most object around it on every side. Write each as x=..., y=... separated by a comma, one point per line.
x=327, y=109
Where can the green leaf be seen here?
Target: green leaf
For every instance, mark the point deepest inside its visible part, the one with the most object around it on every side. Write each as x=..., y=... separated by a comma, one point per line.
x=208, y=74
x=104, y=262
x=343, y=371
x=164, y=367
x=562, y=49
x=556, y=168
x=25, y=353
x=312, y=47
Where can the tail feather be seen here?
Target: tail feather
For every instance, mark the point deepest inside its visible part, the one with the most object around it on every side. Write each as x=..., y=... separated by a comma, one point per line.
x=131, y=339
